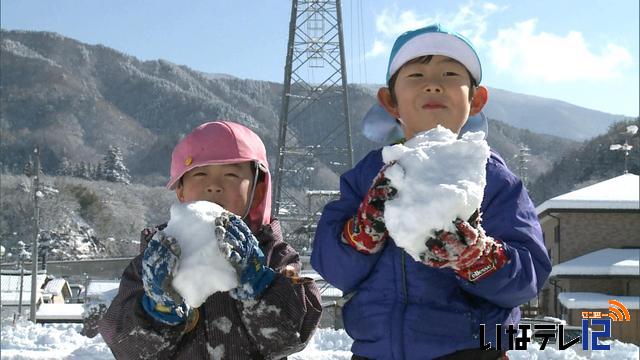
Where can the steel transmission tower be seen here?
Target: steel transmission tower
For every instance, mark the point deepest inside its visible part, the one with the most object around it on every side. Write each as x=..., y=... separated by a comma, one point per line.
x=523, y=159
x=315, y=132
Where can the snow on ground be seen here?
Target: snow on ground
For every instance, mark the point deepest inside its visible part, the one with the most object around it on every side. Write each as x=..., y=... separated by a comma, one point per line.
x=63, y=341
x=26, y=340
x=439, y=178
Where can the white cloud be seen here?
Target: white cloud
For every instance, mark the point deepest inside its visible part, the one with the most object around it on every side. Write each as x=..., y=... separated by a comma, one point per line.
x=470, y=20
x=390, y=23
x=526, y=54
x=379, y=47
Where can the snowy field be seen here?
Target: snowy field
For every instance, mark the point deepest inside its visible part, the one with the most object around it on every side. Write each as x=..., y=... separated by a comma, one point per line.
x=63, y=341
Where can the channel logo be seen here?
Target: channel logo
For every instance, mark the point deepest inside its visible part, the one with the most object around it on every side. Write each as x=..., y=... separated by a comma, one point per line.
x=618, y=312
x=595, y=325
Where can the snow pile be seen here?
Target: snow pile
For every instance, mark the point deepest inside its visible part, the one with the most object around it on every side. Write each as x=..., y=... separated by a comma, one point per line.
x=439, y=178
x=202, y=268
x=326, y=344
x=63, y=341
x=26, y=340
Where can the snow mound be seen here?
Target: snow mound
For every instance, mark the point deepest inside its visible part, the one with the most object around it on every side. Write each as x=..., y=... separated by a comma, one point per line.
x=439, y=178
x=202, y=268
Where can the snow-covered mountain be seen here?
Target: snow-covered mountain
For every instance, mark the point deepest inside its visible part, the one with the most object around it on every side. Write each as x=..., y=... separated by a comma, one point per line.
x=76, y=100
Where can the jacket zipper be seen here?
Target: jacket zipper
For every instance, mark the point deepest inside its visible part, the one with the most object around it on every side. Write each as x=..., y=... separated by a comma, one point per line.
x=404, y=279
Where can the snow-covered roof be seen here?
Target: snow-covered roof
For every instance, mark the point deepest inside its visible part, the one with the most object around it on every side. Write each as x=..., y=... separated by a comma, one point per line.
x=97, y=287
x=102, y=291
x=13, y=297
x=602, y=262
x=60, y=312
x=617, y=193
x=11, y=283
x=588, y=300
x=55, y=286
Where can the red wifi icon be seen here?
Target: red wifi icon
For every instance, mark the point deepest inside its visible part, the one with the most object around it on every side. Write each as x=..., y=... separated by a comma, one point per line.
x=618, y=312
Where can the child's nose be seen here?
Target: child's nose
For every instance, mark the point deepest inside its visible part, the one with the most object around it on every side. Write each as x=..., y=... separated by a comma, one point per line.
x=214, y=188
x=432, y=87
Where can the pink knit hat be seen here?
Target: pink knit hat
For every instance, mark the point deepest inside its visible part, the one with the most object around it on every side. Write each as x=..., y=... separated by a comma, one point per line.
x=223, y=142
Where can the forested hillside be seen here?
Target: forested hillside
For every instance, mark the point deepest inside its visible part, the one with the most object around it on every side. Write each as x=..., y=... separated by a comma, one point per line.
x=88, y=105
x=591, y=162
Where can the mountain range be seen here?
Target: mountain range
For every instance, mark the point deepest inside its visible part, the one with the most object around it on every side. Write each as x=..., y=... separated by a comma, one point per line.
x=76, y=100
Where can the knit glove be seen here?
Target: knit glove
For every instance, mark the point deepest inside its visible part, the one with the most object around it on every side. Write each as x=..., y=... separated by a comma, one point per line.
x=469, y=251
x=241, y=249
x=159, y=262
x=366, y=231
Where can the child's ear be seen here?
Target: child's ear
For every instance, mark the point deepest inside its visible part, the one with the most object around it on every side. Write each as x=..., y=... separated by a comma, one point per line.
x=386, y=101
x=180, y=192
x=479, y=100
x=259, y=194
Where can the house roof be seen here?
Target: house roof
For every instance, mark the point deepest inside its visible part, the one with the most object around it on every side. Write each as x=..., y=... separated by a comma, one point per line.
x=11, y=283
x=601, y=262
x=588, y=300
x=60, y=312
x=13, y=298
x=10, y=289
x=102, y=291
x=55, y=286
x=617, y=193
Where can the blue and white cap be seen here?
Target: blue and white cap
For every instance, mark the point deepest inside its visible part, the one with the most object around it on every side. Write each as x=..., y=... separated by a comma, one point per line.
x=434, y=40
x=378, y=125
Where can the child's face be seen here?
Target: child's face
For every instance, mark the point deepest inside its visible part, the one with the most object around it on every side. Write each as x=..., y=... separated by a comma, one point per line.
x=431, y=94
x=227, y=185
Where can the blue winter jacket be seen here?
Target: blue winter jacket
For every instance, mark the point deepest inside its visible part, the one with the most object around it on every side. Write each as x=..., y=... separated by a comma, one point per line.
x=402, y=309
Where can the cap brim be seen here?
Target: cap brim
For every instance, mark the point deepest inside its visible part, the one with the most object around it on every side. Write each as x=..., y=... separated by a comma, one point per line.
x=476, y=123
x=379, y=126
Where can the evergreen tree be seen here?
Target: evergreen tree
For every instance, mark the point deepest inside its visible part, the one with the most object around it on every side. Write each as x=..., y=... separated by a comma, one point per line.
x=85, y=170
x=114, y=169
x=99, y=172
x=65, y=168
x=77, y=170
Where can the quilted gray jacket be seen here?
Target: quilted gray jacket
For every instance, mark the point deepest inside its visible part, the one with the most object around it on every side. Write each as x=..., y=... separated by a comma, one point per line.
x=280, y=322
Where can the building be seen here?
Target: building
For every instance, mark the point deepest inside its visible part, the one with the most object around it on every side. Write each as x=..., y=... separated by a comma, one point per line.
x=52, y=299
x=593, y=238
x=10, y=291
x=56, y=291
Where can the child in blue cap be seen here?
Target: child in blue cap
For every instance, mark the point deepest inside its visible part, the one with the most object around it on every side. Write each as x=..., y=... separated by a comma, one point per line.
x=430, y=308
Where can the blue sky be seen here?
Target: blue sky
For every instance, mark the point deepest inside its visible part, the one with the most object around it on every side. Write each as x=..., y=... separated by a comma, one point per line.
x=581, y=51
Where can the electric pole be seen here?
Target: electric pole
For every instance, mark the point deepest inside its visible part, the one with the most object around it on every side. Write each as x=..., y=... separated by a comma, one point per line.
x=34, y=249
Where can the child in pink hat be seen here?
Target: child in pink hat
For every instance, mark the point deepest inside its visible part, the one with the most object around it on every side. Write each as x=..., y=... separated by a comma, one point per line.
x=224, y=163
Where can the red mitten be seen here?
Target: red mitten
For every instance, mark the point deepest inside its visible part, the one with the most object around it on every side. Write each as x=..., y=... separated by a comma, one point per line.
x=469, y=251
x=366, y=231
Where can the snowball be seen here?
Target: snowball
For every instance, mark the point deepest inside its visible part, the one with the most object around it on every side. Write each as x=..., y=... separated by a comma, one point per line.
x=202, y=268
x=439, y=178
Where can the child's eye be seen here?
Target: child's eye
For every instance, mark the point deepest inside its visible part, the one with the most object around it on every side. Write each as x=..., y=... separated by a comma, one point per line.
x=415, y=75
x=449, y=73
x=200, y=173
x=231, y=175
